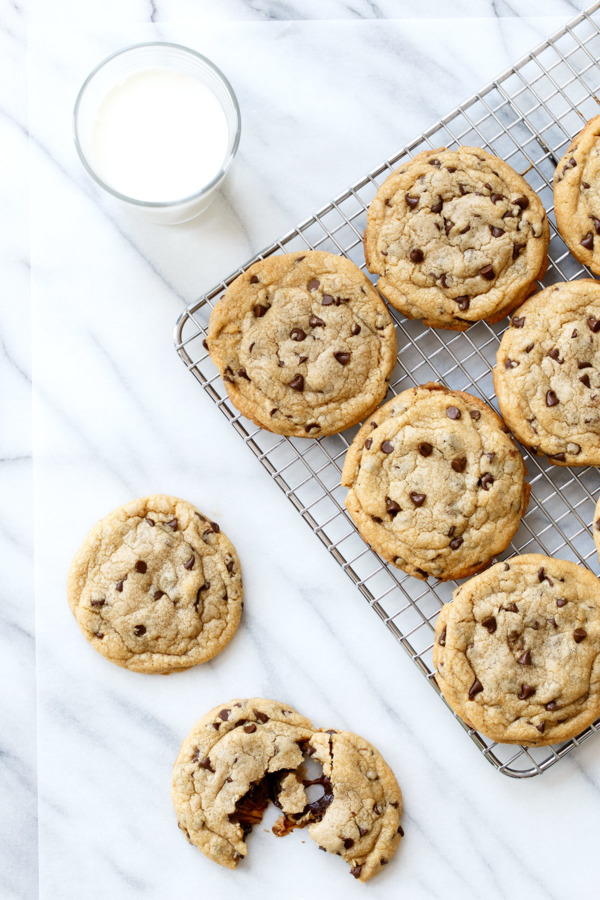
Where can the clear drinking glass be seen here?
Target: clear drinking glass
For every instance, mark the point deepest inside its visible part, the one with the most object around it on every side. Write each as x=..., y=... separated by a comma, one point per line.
x=133, y=60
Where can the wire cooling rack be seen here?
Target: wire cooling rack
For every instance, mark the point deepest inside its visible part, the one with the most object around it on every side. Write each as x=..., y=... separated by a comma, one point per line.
x=527, y=117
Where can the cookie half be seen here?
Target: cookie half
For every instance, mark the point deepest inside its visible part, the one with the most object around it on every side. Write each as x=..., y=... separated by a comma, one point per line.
x=518, y=650
x=436, y=483
x=221, y=775
x=547, y=373
x=156, y=586
x=362, y=822
x=577, y=196
x=304, y=343
x=456, y=236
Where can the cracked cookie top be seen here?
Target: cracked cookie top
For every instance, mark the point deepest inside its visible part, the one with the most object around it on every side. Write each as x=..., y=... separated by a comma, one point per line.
x=304, y=343
x=456, y=236
x=547, y=373
x=517, y=650
x=243, y=754
x=156, y=586
x=577, y=196
x=436, y=483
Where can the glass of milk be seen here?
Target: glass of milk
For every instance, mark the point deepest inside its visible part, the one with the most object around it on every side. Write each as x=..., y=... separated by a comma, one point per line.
x=157, y=126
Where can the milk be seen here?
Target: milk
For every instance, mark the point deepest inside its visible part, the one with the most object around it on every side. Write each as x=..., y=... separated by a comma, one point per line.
x=159, y=135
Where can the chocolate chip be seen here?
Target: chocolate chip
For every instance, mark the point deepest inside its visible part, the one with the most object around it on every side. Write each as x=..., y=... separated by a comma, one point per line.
x=496, y=232
x=327, y=300
x=377, y=519
x=139, y=630
x=459, y=464
x=495, y=198
x=448, y=226
x=551, y=399
x=511, y=363
x=513, y=608
x=526, y=691
x=444, y=281
x=416, y=255
x=491, y=456
x=348, y=842
x=316, y=322
x=579, y=634
x=529, y=348
x=189, y=563
x=383, y=861
x=451, y=169
x=593, y=324
x=412, y=201
x=456, y=543
x=417, y=499
x=140, y=566
x=453, y=412
x=585, y=185
x=356, y=329
x=313, y=284
x=273, y=411
x=541, y=728
x=596, y=223
x=462, y=189
x=437, y=208
x=561, y=602
x=299, y=258
x=151, y=522
x=312, y=426
x=522, y=202
x=98, y=602
x=224, y=714
x=250, y=728
x=173, y=524
x=434, y=162
x=297, y=383
x=99, y=634
x=368, y=443
x=585, y=379
x=387, y=447
x=425, y=449
x=259, y=310
x=254, y=279
x=392, y=507
x=400, y=830
x=487, y=272
x=342, y=357
x=554, y=354
x=302, y=359
x=463, y=302
x=525, y=660
x=205, y=764
x=490, y=624
x=297, y=334
x=119, y=584
x=355, y=870
x=551, y=705
x=587, y=241
x=475, y=688
x=261, y=716
x=486, y=481
x=442, y=638
x=475, y=414
x=575, y=332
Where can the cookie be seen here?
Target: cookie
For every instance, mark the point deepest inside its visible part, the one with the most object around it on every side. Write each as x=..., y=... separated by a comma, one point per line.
x=577, y=196
x=221, y=776
x=547, y=373
x=304, y=343
x=362, y=822
x=247, y=752
x=517, y=651
x=436, y=484
x=156, y=586
x=456, y=236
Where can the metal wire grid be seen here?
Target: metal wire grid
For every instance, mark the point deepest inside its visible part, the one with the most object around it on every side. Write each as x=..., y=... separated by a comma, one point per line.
x=527, y=116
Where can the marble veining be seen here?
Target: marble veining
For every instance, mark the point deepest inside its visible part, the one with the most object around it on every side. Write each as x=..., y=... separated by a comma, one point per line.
x=327, y=90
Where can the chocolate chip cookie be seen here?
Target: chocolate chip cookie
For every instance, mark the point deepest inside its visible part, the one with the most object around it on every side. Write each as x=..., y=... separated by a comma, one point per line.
x=547, y=373
x=245, y=753
x=156, y=586
x=456, y=236
x=304, y=344
x=518, y=650
x=436, y=484
x=577, y=196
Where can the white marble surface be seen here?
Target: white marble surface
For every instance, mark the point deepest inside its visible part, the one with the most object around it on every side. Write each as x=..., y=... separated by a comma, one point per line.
x=326, y=90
